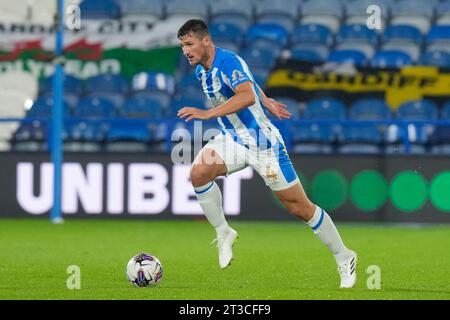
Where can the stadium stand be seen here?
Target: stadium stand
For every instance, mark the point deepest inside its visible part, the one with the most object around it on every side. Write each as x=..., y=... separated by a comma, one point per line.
x=414, y=32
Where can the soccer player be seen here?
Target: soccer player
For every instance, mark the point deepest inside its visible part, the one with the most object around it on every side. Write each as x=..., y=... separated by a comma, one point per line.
x=248, y=138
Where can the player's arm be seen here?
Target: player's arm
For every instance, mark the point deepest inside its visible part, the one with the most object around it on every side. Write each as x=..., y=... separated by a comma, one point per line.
x=244, y=97
x=276, y=108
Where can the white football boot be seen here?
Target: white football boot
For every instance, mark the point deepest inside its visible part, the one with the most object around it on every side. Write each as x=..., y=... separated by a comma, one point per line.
x=225, y=243
x=347, y=271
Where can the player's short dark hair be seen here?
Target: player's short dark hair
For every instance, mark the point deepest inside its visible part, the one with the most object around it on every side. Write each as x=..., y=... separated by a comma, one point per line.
x=196, y=26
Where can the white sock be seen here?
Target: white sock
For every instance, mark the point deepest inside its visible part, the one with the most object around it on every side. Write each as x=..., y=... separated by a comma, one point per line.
x=210, y=199
x=324, y=228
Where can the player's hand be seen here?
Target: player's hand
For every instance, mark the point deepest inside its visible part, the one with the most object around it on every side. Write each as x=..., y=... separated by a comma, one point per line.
x=193, y=113
x=278, y=109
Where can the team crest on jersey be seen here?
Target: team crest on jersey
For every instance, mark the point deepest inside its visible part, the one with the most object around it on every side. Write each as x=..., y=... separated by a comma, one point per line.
x=271, y=174
x=236, y=75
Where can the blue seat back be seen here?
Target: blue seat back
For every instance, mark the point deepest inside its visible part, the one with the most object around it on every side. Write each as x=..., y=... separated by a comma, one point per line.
x=71, y=85
x=418, y=110
x=267, y=31
x=356, y=32
x=356, y=57
x=95, y=108
x=312, y=33
x=135, y=131
x=402, y=32
x=390, y=59
x=142, y=107
x=439, y=33
x=312, y=133
x=436, y=58
x=107, y=83
x=226, y=31
x=360, y=133
x=445, y=113
x=370, y=109
x=84, y=131
x=105, y=9
x=43, y=107
x=156, y=81
x=324, y=108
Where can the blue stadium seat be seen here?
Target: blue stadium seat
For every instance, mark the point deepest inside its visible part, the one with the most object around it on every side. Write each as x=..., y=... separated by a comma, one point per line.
x=402, y=33
x=312, y=138
x=325, y=108
x=163, y=99
x=256, y=57
x=183, y=65
x=129, y=131
x=69, y=100
x=179, y=102
x=445, y=113
x=227, y=44
x=306, y=55
x=320, y=135
x=283, y=13
x=412, y=50
x=35, y=131
x=418, y=134
x=31, y=137
x=438, y=33
x=440, y=140
x=435, y=58
x=417, y=13
x=311, y=33
x=272, y=34
x=261, y=75
x=311, y=50
x=95, y=108
x=192, y=8
x=188, y=83
x=443, y=13
x=291, y=105
x=356, y=57
x=324, y=12
x=366, y=139
x=142, y=107
x=148, y=8
x=71, y=85
x=43, y=106
x=155, y=81
x=105, y=9
x=223, y=31
x=107, y=83
x=82, y=131
x=370, y=109
x=418, y=110
x=390, y=59
x=116, y=98
x=236, y=12
x=356, y=33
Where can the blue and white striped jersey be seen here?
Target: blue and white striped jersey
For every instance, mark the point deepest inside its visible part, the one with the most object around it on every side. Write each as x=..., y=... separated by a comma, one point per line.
x=249, y=126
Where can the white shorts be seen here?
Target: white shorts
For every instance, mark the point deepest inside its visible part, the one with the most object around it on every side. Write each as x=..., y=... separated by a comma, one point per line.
x=273, y=164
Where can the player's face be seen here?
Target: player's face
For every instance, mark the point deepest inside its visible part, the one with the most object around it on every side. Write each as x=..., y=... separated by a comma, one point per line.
x=194, y=48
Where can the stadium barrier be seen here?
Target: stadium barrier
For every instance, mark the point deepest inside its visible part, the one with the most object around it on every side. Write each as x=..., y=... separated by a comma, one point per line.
x=365, y=188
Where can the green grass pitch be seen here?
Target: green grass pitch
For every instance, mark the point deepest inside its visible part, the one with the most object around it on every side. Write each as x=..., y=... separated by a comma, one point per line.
x=271, y=260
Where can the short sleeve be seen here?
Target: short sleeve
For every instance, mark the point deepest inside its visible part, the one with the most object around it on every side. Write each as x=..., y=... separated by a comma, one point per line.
x=236, y=70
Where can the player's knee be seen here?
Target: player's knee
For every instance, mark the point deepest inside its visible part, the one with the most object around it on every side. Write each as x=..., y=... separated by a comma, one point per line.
x=199, y=175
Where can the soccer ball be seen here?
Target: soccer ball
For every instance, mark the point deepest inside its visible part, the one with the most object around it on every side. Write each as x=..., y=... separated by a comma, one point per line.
x=144, y=270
